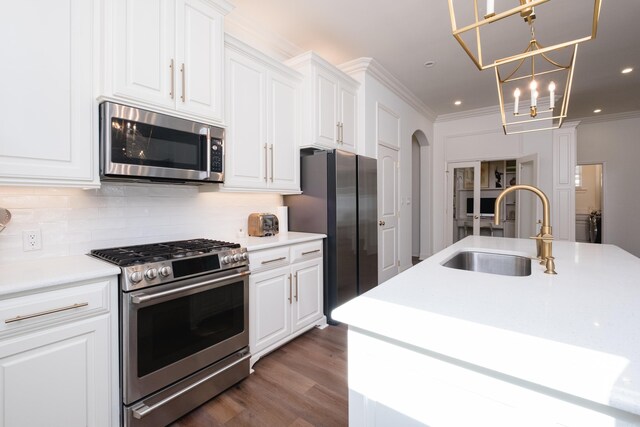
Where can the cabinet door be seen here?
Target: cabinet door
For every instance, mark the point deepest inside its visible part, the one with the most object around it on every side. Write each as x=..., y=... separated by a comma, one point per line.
x=283, y=134
x=144, y=44
x=246, y=150
x=307, y=293
x=269, y=308
x=326, y=120
x=46, y=107
x=199, y=59
x=348, y=117
x=58, y=376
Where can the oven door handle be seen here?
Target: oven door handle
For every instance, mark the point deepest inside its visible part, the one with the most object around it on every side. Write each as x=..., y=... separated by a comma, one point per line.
x=142, y=297
x=145, y=410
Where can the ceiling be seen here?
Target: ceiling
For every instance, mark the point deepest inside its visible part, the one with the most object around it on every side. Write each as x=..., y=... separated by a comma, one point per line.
x=403, y=35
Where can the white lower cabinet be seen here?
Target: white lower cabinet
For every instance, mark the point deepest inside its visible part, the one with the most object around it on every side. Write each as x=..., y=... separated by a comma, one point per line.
x=284, y=301
x=57, y=377
x=59, y=364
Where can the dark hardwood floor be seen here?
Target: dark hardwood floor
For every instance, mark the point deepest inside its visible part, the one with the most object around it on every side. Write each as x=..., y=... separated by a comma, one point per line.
x=303, y=383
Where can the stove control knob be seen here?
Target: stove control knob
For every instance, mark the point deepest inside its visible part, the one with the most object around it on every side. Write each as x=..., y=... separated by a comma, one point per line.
x=151, y=273
x=245, y=256
x=135, y=277
x=165, y=271
x=237, y=257
x=227, y=259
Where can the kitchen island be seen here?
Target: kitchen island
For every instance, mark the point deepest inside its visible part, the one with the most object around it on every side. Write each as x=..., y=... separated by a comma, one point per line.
x=445, y=347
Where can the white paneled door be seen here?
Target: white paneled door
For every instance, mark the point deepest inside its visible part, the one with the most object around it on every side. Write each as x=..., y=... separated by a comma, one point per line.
x=388, y=258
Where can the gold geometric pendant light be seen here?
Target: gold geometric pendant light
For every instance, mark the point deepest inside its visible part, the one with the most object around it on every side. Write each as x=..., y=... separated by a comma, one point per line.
x=477, y=20
x=532, y=83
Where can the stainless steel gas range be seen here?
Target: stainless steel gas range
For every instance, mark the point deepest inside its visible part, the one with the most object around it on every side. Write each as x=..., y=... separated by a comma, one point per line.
x=183, y=325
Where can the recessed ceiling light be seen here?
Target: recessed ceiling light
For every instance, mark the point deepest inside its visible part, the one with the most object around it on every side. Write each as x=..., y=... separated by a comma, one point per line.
x=627, y=70
x=429, y=64
x=597, y=110
x=458, y=102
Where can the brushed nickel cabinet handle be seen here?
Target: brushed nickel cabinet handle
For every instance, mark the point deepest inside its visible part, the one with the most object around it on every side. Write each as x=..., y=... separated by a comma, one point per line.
x=44, y=313
x=274, y=260
x=271, y=149
x=266, y=167
x=296, y=287
x=341, y=133
x=173, y=80
x=290, y=299
x=184, y=82
x=310, y=252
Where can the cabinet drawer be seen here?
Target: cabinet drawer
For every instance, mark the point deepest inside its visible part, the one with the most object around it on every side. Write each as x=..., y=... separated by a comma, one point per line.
x=305, y=251
x=53, y=307
x=269, y=258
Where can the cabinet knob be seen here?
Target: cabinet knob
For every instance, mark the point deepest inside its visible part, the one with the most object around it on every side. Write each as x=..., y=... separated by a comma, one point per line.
x=381, y=223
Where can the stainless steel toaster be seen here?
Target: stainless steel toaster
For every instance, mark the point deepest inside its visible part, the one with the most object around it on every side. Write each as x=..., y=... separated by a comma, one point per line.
x=263, y=224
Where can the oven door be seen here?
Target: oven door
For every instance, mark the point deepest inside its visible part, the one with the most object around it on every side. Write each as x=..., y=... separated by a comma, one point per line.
x=171, y=331
x=137, y=143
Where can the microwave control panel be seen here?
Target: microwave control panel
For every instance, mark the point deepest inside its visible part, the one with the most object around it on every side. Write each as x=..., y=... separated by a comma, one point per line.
x=217, y=155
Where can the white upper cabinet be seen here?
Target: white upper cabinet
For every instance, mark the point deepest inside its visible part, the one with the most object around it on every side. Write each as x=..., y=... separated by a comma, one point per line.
x=48, y=117
x=330, y=102
x=166, y=55
x=263, y=104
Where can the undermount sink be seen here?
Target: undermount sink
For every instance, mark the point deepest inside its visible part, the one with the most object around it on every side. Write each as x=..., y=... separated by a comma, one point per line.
x=487, y=262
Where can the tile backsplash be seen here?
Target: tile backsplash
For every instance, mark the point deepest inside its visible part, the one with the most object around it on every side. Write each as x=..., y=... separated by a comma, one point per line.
x=74, y=221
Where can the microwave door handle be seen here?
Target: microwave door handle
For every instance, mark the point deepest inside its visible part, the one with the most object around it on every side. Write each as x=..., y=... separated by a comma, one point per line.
x=208, y=171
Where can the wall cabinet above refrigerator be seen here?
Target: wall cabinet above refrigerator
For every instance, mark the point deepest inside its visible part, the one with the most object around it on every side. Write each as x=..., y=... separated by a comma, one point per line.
x=330, y=104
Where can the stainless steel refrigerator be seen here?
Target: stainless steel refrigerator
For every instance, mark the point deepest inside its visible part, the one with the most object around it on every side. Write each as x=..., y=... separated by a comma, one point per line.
x=339, y=199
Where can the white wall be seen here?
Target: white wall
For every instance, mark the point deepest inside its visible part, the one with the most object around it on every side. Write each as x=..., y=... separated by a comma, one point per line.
x=616, y=143
x=478, y=135
x=373, y=96
x=74, y=221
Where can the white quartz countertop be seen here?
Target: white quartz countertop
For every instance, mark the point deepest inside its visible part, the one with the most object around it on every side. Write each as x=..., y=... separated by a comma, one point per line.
x=280, y=239
x=39, y=274
x=577, y=332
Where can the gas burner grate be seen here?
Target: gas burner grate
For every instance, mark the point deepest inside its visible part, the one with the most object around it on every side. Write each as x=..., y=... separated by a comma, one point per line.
x=141, y=254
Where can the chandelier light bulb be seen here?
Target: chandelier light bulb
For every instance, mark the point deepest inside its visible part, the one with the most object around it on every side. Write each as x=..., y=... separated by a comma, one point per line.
x=534, y=93
x=516, y=95
x=490, y=8
x=552, y=95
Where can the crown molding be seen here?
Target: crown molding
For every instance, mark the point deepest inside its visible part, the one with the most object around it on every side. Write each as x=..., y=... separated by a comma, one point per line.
x=610, y=117
x=233, y=43
x=376, y=70
x=484, y=111
x=252, y=34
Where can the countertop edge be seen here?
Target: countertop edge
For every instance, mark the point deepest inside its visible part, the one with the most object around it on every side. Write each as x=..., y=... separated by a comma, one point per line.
x=33, y=276
x=281, y=239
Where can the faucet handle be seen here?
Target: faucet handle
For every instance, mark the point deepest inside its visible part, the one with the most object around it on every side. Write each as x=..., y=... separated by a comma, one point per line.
x=546, y=238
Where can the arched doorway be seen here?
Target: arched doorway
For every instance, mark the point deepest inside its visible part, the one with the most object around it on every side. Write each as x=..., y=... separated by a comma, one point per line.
x=419, y=197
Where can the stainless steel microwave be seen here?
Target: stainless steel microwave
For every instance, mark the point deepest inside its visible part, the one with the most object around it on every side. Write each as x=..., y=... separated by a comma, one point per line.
x=141, y=145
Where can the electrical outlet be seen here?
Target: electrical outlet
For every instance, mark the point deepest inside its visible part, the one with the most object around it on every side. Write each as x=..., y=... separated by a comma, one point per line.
x=31, y=240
